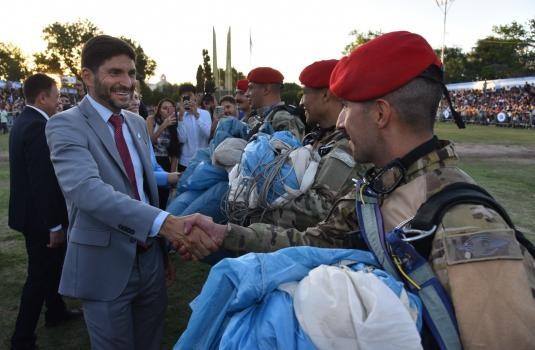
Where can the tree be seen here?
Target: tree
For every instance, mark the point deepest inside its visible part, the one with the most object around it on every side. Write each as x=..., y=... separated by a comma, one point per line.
x=209, y=84
x=360, y=38
x=12, y=63
x=235, y=76
x=200, y=79
x=64, y=46
x=291, y=93
x=145, y=66
x=508, y=53
x=457, y=65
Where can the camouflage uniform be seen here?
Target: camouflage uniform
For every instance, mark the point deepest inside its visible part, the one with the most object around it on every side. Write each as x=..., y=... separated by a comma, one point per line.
x=282, y=227
x=461, y=254
x=472, y=246
x=280, y=120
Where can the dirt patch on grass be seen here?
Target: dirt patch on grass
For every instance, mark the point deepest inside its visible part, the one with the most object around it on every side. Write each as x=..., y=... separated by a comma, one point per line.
x=468, y=150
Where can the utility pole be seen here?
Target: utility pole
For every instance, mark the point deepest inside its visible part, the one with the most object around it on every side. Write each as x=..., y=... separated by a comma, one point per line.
x=444, y=6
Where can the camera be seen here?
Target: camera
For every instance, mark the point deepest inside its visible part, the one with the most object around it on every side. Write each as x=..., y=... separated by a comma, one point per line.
x=186, y=101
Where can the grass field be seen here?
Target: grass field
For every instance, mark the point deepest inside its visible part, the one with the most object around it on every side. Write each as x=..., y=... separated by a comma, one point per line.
x=511, y=180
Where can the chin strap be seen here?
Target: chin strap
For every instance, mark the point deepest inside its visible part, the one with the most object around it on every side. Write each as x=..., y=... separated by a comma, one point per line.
x=456, y=116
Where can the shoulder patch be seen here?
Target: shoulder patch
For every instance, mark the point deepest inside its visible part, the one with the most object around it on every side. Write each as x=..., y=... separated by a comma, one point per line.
x=482, y=245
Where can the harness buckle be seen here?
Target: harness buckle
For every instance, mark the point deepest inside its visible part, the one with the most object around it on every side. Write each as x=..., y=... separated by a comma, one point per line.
x=409, y=234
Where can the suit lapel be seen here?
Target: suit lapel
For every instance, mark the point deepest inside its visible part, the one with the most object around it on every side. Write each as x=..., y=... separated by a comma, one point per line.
x=143, y=150
x=102, y=131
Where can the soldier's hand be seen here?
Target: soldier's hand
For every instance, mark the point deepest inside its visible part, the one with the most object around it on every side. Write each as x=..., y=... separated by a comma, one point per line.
x=197, y=242
x=205, y=223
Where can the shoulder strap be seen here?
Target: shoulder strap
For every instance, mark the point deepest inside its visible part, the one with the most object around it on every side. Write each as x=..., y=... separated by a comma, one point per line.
x=404, y=263
x=432, y=211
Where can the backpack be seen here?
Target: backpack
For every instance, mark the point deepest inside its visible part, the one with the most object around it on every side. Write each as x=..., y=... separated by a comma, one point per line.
x=406, y=257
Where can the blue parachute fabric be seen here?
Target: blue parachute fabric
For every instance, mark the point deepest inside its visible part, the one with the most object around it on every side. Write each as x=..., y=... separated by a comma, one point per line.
x=259, y=154
x=182, y=201
x=228, y=127
x=201, y=176
x=269, y=324
x=235, y=285
x=202, y=155
x=209, y=203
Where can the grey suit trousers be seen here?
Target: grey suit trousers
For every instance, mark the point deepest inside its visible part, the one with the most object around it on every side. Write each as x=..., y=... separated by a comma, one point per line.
x=135, y=319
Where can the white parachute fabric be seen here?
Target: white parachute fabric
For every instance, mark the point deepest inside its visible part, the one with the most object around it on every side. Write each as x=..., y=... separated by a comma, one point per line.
x=339, y=308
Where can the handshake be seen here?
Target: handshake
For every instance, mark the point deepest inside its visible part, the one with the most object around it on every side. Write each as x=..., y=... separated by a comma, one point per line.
x=194, y=236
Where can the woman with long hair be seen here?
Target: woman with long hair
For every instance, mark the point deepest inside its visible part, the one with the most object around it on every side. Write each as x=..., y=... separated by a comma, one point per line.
x=163, y=134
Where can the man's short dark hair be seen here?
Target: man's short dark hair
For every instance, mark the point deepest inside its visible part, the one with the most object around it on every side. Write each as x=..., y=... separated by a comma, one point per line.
x=36, y=84
x=417, y=101
x=103, y=47
x=186, y=87
x=227, y=98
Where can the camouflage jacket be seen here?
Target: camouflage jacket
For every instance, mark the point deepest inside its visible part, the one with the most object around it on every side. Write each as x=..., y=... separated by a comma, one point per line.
x=492, y=286
x=299, y=222
x=280, y=120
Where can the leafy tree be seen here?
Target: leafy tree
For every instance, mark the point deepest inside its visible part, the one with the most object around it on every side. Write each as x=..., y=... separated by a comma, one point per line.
x=508, y=53
x=360, y=38
x=64, y=46
x=235, y=76
x=12, y=63
x=199, y=79
x=456, y=65
x=145, y=66
x=209, y=84
x=291, y=93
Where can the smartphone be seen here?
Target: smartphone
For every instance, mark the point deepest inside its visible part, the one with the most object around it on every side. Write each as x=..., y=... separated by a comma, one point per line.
x=186, y=101
x=219, y=111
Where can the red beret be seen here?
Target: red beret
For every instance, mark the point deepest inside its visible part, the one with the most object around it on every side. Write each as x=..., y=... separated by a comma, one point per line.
x=381, y=65
x=242, y=85
x=317, y=74
x=265, y=75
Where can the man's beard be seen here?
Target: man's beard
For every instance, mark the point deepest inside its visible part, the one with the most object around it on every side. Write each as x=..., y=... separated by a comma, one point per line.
x=105, y=95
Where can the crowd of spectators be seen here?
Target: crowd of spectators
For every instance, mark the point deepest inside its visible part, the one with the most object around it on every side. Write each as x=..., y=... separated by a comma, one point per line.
x=11, y=103
x=514, y=107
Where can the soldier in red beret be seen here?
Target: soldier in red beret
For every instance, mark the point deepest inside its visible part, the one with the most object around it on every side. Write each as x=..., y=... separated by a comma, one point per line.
x=244, y=107
x=469, y=264
x=297, y=222
x=264, y=94
x=391, y=88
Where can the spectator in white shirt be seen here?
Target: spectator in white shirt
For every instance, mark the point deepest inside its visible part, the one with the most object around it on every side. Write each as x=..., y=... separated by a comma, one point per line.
x=193, y=125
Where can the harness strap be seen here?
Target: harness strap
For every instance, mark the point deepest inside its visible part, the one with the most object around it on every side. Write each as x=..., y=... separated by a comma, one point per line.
x=438, y=311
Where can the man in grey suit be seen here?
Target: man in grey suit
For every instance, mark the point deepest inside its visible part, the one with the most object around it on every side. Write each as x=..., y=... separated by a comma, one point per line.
x=116, y=254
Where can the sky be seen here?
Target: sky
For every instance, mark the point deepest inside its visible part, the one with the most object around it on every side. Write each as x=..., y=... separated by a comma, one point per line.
x=286, y=35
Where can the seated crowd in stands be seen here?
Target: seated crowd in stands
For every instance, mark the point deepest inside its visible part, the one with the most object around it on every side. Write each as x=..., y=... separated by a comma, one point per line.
x=514, y=107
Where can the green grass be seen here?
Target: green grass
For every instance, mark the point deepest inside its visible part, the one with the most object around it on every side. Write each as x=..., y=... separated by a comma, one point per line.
x=486, y=134
x=510, y=181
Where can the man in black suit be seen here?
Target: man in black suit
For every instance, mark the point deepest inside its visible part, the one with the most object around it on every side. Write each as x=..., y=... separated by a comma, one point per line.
x=37, y=209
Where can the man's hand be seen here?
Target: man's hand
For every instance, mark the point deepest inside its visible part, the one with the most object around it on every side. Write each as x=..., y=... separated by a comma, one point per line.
x=193, y=224
x=172, y=178
x=198, y=244
x=56, y=239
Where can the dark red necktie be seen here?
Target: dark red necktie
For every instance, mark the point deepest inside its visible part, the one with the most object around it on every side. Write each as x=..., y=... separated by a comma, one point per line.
x=117, y=121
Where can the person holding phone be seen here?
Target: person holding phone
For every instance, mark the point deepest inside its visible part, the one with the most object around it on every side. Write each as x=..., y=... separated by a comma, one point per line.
x=193, y=125
x=164, y=138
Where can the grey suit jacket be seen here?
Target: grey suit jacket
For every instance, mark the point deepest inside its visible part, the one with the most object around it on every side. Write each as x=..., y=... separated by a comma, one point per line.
x=105, y=223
